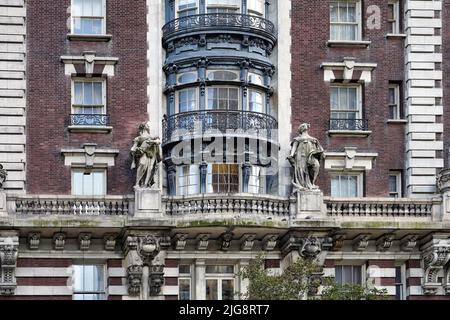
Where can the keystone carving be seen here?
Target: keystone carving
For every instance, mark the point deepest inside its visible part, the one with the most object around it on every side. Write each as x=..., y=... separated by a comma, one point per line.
x=9, y=246
x=310, y=248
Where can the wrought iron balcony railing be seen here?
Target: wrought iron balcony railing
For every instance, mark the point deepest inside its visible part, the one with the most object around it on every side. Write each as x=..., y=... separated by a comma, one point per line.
x=218, y=121
x=89, y=119
x=349, y=124
x=220, y=21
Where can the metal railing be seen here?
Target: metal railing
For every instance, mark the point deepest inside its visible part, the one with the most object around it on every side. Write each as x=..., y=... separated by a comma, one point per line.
x=200, y=122
x=218, y=21
x=349, y=124
x=89, y=119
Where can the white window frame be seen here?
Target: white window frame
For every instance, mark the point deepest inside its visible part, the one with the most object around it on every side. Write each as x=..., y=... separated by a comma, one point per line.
x=210, y=173
x=80, y=79
x=81, y=170
x=177, y=99
x=237, y=8
x=396, y=19
x=230, y=71
x=254, y=12
x=358, y=22
x=263, y=94
x=354, y=265
x=359, y=104
x=396, y=88
x=398, y=176
x=73, y=17
x=178, y=11
x=186, y=73
x=219, y=277
x=178, y=186
x=105, y=279
x=359, y=181
x=239, y=93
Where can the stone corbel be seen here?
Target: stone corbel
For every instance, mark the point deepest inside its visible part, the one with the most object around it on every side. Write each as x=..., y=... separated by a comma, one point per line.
x=86, y=63
x=338, y=241
x=409, y=242
x=156, y=279
x=270, y=242
x=351, y=70
x=59, y=240
x=435, y=255
x=447, y=281
x=84, y=241
x=9, y=247
x=110, y=241
x=384, y=243
x=247, y=242
x=180, y=241
x=203, y=241
x=225, y=241
x=361, y=242
x=89, y=156
x=34, y=240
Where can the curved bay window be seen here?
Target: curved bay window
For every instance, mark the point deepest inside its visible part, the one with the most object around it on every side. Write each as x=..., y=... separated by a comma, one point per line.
x=223, y=178
x=184, y=8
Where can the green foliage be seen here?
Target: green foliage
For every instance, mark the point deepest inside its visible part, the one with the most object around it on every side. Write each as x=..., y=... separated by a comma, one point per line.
x=295, y=282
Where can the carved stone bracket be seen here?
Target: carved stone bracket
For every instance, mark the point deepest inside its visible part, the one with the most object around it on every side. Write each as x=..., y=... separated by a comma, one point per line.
x=270, y=242
x=247, y=242
x=9, y=246
x=34, y=240
x=59, y=240
x=435, y=255
x=110, y=241
x=311, y=247
x=84, y=241
x=384, y=243
x=202, y=241
x=409, y=242
x=361, y=242
x=225, y=241
x=180, y=241
x=134, y=276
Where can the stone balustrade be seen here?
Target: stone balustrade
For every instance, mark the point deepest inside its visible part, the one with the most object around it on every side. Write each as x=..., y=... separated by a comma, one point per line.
x=71, y=205
x=232, y=204
x=379, y=207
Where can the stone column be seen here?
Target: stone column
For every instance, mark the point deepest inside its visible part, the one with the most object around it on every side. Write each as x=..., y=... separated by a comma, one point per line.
x=199, y=280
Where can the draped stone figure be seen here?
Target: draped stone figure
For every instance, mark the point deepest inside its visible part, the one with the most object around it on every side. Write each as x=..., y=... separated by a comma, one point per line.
x=3, y=175
x=306, y=154
x=146, y=153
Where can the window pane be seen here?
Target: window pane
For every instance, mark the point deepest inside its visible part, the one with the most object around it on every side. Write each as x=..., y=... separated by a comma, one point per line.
x=352, y=99
x=219, y=269
x=347, y=274
x=88, y=93
x=187, y=78
x=77, y=183
x=98, y=183
x=338, y=274
x=78, y=94
x=77, y=7
x=356, y=275
x=352, y=186
x=211, y=289
x=96, y=26
x=393, y=183
x=184, y=269
x=98, y=93
x=97, y=8
x=87, y=7
x=184, y=289
x=227, y=289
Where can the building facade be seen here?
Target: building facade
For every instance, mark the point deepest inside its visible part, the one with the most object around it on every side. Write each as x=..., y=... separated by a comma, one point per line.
x=224, y=85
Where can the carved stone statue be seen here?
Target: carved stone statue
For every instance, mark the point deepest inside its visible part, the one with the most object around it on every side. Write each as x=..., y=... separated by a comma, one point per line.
x=305, y=157
x=146, y=153
x=3, y=175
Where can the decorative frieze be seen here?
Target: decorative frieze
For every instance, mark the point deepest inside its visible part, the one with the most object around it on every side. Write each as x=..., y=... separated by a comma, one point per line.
x=33, y=240
x=361, y=242
x=59, y=240
x=9, y=246
x=84, y=241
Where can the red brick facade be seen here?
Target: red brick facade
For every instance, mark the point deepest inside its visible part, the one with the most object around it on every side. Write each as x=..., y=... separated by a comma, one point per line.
x=311, y=95
x=49, y=94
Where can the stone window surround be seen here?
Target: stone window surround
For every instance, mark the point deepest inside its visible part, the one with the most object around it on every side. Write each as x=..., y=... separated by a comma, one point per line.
x=89, y=157
x=349, y=161
x=89, y=59
x=348, y=66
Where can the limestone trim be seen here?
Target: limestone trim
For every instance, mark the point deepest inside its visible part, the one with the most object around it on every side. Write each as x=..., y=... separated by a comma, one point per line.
x=349, y=160
x=352, y=71
x=9, y=246
x=90, y=157
x=89, y=60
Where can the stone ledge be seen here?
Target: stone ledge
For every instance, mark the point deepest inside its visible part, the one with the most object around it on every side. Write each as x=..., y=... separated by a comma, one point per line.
x=346, y=44
x=349, y=133
x=89, y=37
x=90, y=129
x=395, y=35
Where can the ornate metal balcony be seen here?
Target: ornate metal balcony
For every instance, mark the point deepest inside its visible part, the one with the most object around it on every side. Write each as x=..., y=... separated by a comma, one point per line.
x=349, y=125
x=89, y=119
x=220, y=21
x=199, y=123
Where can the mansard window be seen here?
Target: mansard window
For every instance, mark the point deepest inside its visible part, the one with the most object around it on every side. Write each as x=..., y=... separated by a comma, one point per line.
x=256, y=7
x=187, y=8
x=395, y=184
x=349, y=274
x=219, y=282
x=223, y=75
x=89, y=183
x=188, y=180
x=223, y=98
x=187, y=100
x=88, y=17
x=394, y=102
x=223, y=6
x=346, y=185
x=89, y=98
x=89, y=282
x=256, y=101
x=184, y=282
x=187, y=77
x=223, y=178
x=346, y=107
x=345, y=20
x=394, y=17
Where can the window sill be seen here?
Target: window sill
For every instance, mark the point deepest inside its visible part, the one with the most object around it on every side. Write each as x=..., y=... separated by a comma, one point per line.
x=396, y=35
x=90, y=129
x=349, y=133
x=346, y=44
x=89, y=37
x=397, y=121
